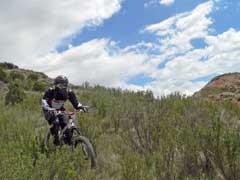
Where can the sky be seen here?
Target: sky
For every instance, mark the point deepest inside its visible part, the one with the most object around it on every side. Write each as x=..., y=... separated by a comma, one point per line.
x=159, y=45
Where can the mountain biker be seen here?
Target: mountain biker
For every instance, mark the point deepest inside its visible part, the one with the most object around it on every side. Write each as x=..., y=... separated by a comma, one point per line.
x=54, y=98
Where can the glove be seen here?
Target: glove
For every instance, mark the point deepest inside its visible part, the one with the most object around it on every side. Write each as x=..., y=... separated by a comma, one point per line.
x=82, y=108
x=53, y=111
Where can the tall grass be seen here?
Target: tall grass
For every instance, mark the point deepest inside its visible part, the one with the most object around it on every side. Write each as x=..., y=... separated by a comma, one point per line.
x=135, y=136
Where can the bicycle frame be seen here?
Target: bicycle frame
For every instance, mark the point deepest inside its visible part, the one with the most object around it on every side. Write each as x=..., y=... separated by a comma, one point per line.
x=70, y=125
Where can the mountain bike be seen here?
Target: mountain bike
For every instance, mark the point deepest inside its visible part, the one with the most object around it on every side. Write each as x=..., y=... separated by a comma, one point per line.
x=72, y=135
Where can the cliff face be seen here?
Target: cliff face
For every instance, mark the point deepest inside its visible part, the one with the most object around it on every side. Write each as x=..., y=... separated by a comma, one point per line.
x=221, y=88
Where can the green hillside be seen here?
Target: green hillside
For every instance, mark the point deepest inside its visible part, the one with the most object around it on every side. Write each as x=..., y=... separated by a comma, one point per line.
x=136, y=136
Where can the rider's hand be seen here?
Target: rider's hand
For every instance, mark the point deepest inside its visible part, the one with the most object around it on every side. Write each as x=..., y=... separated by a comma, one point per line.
x=53, y=111
x=82, y=108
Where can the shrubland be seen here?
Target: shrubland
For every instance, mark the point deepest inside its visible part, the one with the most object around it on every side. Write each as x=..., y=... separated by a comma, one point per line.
x=136, y=136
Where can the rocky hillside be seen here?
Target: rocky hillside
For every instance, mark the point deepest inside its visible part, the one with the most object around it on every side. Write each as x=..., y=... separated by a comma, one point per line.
x=222, y=88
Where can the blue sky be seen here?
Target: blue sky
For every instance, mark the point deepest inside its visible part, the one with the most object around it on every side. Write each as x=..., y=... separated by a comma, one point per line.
x=125, y=26
x=161, y=45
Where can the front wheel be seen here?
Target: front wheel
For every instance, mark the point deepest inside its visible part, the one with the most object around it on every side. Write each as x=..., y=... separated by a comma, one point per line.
x=87, y=148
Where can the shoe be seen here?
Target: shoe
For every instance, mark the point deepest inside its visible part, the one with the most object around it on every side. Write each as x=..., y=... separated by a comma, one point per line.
x=52, y=130
x=67, y=140
x=56, y=141
x=67, y=137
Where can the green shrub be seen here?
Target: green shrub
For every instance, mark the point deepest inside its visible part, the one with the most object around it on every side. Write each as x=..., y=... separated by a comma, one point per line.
x=28, y=85
x=33, y=77
x=14, y=75
x=3, y=75
x=42, y=75
x=132, y=167
x=6, y=65
x=135, y=137
x=15, y=94
x=40, y=86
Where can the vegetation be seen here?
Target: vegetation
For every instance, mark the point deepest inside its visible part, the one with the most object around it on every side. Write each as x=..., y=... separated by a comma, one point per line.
x=15, y=94
x=40, y=86
x=16, y=75
x=7, y=65
x=3, y=75
x=136, y=137
x=32, y=77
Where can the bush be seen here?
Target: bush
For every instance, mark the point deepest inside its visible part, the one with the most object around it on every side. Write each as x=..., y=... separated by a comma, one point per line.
x=42, y=75
x=14, y=75
x=135, y=137
x=40, y=86
x=33, y=77
x=8, y=65
x=15, y=94
x=28, y=85
x=3, y=75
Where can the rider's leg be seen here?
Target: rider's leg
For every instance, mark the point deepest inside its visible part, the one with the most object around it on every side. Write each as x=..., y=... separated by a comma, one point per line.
x=54, y=131
x=54, y=121
x=49, y=116
x=63, y=119
x=63, y=122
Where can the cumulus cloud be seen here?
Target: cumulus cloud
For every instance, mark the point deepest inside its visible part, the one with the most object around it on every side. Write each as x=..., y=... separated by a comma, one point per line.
x=148, y=3
x=166, y=2
x=96, y=61
x=184, y=66
x=30, y=29
x=177, y=32
x=100, y=61
x=220, y=56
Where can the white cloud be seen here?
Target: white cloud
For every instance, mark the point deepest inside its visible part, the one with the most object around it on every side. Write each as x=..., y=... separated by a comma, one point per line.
x=177, y=32
x=184, y=63
x=166, y=2
x=97, y=62
x=101, y=62
x=222, y=55
x=31, y=29
x=149, y=3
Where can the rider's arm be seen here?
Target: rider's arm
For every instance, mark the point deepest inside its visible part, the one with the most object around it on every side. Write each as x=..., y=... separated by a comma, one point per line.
x=73, y=99
x=46, y=97
x=45, y=105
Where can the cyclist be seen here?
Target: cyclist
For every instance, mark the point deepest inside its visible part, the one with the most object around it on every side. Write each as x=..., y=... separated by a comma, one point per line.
x=53, y=102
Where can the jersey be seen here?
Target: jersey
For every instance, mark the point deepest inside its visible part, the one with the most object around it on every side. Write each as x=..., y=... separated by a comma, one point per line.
x=53, y=99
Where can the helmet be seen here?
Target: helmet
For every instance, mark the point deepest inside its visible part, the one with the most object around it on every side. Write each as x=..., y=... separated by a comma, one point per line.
x=61, y=81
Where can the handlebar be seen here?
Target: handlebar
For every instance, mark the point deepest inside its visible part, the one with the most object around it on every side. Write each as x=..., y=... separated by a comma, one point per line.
x=59, y=112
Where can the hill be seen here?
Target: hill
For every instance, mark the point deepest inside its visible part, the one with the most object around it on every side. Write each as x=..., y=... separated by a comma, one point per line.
x=225, y=87
x=136, y=136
